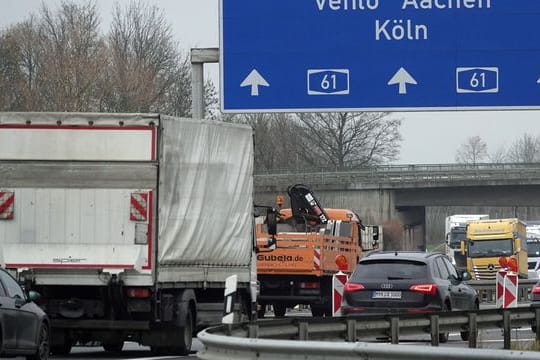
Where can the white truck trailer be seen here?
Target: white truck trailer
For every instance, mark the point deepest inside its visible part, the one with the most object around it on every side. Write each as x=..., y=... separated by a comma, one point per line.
x=127, y=224
x=455, y=232
x=533, y=248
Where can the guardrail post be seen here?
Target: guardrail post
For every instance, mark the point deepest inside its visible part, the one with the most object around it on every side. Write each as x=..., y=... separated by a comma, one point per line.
x=473, y=330
x=303, y=331
x=507, y=330
x=434, y=322
x=351, y=330
x=394, y=330
x=537, y=321
x=253, y=331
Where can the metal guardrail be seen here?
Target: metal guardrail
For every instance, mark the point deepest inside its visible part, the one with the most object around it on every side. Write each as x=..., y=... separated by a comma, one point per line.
x=292, y=338
x=403, y=175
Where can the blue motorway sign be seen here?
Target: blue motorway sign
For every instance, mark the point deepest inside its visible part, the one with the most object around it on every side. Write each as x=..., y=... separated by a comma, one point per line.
x=341, y=55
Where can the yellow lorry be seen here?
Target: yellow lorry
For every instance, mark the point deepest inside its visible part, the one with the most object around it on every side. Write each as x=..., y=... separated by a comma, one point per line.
x=489, y=240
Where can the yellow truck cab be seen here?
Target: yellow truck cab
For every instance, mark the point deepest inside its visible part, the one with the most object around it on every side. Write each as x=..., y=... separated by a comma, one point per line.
x=488, y=240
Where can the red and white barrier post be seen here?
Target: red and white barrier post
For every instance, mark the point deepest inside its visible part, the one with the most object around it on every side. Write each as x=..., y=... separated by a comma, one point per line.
x=499, y=290
x=338, y=284
x=507, y=283
x=510, y=299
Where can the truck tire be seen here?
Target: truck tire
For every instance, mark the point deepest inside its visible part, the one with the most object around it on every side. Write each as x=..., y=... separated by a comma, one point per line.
x=63, y=349
x=184, y=340
x=317, y=310
x=320, y=310
x=186, y=337
x=115, y=347
x=279, y=310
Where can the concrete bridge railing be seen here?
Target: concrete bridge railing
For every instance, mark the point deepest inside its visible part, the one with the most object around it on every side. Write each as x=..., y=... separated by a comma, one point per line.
x=404, y=176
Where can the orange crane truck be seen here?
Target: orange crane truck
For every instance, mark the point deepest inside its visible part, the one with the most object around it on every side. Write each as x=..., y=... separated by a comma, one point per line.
x=309, y=238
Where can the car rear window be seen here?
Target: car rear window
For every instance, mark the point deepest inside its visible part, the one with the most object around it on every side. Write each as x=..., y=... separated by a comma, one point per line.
x=389, y=270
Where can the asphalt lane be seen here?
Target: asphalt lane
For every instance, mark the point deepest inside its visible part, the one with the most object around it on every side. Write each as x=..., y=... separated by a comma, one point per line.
x=131, y=351
x=522, y=339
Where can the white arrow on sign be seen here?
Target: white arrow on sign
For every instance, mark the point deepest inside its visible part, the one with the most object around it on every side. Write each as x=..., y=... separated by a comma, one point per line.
x=402, y=77
x=538, y=81
x=254, y=79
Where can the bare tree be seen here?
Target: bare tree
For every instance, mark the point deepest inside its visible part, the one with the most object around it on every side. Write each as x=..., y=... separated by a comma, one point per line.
x=58, y=61
x=525, y=149
x=72, y=56
x=20, y=67
x=472, y=151
x=10, y=75
x=275, y=139
x=147, y=73
x=498, y=156
x=340, y=139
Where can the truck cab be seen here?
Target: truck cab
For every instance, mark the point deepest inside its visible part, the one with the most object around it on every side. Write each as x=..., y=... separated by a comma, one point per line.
x=489, y=240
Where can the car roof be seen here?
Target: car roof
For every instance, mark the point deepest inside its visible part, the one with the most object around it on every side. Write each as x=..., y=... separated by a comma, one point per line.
x=402, y=255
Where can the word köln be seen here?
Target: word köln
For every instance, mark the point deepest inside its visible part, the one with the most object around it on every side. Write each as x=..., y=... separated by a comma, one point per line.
x=401, y=29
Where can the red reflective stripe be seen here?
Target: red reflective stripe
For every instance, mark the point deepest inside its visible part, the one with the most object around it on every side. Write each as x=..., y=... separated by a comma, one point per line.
x=9, y=201
x=137, y=206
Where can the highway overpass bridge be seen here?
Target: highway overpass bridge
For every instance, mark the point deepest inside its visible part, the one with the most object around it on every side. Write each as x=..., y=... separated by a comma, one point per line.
x=411, y=201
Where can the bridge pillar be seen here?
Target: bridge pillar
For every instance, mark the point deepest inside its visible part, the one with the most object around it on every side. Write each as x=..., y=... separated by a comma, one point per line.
x=413, y=219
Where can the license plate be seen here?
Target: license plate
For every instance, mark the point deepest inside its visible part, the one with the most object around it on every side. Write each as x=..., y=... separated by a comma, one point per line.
x=386, y=295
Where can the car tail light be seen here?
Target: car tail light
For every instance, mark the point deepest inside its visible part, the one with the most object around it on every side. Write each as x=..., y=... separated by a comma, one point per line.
x=309, y=285
x=350, y=287
x=430, y=289
x=536, y=289
x=138, y=292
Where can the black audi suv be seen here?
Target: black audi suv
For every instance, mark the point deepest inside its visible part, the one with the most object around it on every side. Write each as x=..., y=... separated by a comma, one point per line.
x=413, y=282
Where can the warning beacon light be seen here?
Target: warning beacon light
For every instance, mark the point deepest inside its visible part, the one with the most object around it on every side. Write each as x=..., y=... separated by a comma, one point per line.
x=513, y=264
x=341, y=262
x=503, y=261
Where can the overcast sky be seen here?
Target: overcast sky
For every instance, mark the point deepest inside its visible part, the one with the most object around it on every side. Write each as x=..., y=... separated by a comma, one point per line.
x=428, y=137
